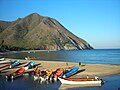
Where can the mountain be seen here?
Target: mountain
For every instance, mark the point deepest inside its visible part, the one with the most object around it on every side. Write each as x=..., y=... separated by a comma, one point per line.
x=3, y=25
x=38, y=32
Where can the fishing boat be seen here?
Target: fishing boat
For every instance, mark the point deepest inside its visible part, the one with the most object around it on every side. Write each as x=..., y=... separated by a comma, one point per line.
x=48, y=73
x=40, y=78
x=57, y=73
x=5, y=61
x=15, y=63
x=4, y=66
x=71, y=72
x=37, y=73
x=7, y=65
x=20, y=71
x=81, y=81
x=42, y=75
x=11, y=64
x=29, y=65
x=1, y=59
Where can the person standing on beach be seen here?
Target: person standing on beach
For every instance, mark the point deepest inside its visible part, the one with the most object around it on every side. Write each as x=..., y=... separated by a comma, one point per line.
x=67, y=64
x=79, y=64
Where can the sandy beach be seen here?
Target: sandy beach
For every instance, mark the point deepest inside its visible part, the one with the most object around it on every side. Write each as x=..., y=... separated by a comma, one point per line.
x=86, y=69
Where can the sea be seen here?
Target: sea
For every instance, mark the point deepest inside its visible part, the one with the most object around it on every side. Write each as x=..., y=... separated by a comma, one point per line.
x=95, y=56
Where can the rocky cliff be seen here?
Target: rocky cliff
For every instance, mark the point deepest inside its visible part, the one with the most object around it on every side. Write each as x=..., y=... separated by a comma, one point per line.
x=38, y=32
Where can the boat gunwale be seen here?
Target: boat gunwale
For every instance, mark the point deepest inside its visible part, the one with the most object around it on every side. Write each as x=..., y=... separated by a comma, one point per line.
x=80, y=79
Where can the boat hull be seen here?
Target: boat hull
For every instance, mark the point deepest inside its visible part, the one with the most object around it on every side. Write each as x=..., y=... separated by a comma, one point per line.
x=20, y=71
x=84, y=83
x=15, y=63
x=6, y=61
x=71, y=72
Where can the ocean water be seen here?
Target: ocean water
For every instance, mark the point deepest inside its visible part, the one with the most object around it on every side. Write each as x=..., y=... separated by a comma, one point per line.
x=99, y=56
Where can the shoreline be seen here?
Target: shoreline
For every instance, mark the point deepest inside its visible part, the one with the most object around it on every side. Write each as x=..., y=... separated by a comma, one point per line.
x=91, y=70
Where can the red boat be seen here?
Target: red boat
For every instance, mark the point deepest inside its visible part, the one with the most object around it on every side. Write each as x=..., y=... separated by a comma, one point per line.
x=58, y=72
x=20, y=71
x=37, y=71
x=7, y=65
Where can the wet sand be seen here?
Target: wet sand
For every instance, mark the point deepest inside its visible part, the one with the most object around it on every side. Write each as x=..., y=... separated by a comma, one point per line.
x=88, y=69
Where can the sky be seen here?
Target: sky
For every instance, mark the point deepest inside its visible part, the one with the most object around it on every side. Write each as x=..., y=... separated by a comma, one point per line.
x=96, y=21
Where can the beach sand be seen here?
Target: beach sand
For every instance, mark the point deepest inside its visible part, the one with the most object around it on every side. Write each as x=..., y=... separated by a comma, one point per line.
x=86, y=69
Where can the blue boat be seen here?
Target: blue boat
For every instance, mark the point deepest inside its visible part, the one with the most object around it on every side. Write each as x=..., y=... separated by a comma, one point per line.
x=15, y=63
x=71, y=72
x=29, y=65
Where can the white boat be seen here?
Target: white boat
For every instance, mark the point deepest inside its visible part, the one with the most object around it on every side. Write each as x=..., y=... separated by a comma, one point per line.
x=36, y=78
x=2, y=59
x=5, y=61
x=41, y=79
x=81, y=81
